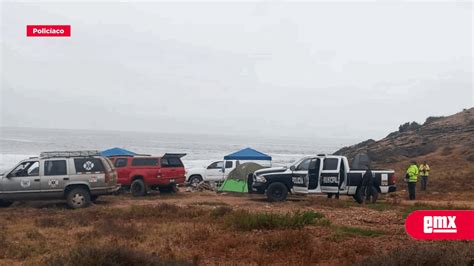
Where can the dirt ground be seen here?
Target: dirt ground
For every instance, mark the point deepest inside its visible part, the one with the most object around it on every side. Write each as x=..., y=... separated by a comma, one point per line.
x=198, y=228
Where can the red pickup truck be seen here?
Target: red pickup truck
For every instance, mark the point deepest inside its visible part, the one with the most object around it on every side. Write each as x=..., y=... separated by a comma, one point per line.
x=139, y=174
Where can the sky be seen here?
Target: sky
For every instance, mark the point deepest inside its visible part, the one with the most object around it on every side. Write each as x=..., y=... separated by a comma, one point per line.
x=314, y=69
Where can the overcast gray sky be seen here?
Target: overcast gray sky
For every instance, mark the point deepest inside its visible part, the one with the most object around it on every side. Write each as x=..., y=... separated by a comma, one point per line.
x=283, y=69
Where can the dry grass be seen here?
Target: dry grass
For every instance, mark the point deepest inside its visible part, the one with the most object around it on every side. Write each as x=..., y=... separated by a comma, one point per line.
x=422, y=206
x=110, y=255
x=438, y=253
x=182, y=233
x=246, y=221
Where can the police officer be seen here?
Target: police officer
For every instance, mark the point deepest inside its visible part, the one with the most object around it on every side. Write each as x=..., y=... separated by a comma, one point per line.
x=368, y=183
x=424, y=173
x=411, y=178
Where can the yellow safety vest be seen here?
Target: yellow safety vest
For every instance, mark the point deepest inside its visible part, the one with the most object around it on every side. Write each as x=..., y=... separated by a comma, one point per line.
x=424, y=170
x=412, y=172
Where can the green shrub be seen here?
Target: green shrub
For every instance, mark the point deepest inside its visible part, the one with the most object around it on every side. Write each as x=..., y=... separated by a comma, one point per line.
x=286, y=240
x=439, y=253
x=359, y=231
x=380, y=206
x=422, y=206
x=50, y=222
x=247, y=221
x=209, y=203
x=161, y=211
x=109, y=255
x=220, y=211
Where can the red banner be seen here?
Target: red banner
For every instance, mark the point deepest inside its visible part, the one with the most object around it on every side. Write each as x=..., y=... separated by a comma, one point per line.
x=440, y=225
x=48, y=30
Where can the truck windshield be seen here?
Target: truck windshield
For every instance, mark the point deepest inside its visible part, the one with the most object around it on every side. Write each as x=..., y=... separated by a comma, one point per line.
x=297, y=162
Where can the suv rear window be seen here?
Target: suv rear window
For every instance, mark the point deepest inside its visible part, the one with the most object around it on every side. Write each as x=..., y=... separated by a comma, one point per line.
x=145, y=162
x=57, y=167
x=84, y=165
x=171, y=162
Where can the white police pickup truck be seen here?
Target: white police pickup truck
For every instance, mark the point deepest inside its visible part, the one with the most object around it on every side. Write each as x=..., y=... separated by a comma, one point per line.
x=329, y=174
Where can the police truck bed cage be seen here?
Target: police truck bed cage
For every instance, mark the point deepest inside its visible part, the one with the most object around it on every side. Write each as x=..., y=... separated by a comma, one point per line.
x=52, y=154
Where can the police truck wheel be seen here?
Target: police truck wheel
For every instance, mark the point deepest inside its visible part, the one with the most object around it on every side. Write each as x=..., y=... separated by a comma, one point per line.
x=78, y=198
x=277, y=192
x=138, y=188
x=5, y=203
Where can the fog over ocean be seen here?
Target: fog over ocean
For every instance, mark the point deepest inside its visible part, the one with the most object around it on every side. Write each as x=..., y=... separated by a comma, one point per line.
x=20, y=143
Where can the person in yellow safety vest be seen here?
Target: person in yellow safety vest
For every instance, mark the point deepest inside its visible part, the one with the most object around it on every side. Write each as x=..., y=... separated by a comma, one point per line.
x=424, y=173
x=411, y=178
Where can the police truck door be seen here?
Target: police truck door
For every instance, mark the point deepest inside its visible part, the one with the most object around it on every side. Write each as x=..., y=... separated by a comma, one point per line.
x=300, y=176
x=330, y=175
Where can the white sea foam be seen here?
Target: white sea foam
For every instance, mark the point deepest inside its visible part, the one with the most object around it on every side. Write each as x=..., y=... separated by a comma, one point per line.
x=20, y=143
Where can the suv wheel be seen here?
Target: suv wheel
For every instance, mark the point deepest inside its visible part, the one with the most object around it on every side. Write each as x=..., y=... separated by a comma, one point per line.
x=138, y=188
x=277, y=192
x=5, y=203
x=195, y=180
x=78, y=198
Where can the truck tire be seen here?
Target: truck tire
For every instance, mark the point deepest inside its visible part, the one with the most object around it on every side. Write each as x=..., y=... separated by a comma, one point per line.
x=195, y=180
x=277, y=192
x=5, y=203
x=138, y=188
x=78, y=198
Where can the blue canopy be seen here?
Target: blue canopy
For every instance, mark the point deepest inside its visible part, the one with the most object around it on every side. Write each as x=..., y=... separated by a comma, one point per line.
x=117, y=152
x=248, y=154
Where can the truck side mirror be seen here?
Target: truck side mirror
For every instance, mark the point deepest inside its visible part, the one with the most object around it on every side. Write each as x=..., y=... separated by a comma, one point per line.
x=292, y=168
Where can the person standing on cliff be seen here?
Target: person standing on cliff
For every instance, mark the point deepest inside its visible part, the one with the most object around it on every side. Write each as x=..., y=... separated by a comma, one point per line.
x=424, y=173
x=411, y=178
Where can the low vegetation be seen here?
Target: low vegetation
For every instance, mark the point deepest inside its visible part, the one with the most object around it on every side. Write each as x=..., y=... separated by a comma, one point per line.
x=438, y=253
x=110, y=255
x=422, y=206
x=247, y=221
x=359, y=231
x=150, y=232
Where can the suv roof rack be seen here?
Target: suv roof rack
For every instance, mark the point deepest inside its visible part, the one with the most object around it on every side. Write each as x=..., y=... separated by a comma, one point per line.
x=52, y=154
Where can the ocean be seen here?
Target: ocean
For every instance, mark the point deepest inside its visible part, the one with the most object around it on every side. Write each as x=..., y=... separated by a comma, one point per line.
x=20, y=143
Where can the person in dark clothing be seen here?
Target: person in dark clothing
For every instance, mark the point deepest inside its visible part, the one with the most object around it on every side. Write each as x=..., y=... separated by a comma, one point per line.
x=368, y=183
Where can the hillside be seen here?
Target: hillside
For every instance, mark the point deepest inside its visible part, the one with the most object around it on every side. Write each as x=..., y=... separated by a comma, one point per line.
x=447, y=143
